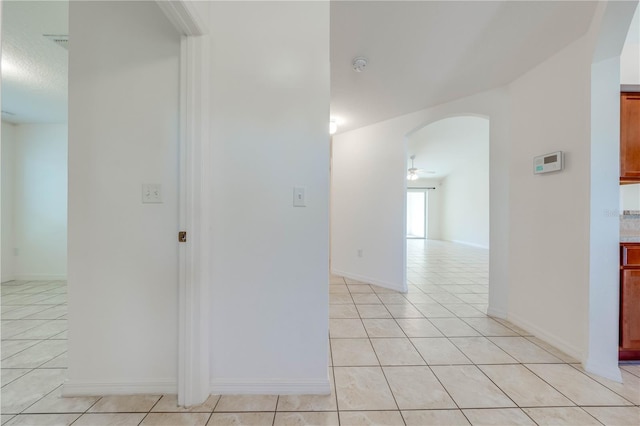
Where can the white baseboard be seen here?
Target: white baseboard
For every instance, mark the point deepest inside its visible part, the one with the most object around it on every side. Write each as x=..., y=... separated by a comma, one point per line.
x=269, y=387
x=40, y=277
x=466, y=243
x=497, y=313
x=611, y=372
x=550, y=338
x=391, y=286
x=76, y=388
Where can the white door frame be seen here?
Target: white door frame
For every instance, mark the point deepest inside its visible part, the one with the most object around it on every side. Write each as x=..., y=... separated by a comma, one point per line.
x=194, y=276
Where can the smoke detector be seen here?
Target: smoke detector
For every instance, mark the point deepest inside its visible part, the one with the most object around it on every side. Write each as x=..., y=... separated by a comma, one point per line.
x=359, y=64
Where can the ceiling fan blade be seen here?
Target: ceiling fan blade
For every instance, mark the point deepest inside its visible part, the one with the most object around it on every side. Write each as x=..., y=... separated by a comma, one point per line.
x=421, y=171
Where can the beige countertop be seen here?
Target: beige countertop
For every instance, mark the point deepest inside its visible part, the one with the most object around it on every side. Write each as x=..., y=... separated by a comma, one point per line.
x=630, y=239
x=630, y=227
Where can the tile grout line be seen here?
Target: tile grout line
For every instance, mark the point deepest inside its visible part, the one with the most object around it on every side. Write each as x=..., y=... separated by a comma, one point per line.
x=275, y=410
x=601, y=384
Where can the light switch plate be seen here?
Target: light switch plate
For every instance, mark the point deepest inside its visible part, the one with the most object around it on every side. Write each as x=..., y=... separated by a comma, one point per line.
x=299, y=197
x=151, y=193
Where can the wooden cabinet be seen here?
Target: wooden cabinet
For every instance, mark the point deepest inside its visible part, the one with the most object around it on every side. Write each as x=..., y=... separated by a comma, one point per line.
x=630, y=301
x=630, y=309
x=629, y=137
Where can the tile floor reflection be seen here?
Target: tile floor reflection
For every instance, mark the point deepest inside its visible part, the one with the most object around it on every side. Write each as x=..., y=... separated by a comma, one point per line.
x=428, y=357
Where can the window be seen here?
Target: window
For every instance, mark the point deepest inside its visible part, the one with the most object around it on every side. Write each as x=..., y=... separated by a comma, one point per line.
x=416, y=213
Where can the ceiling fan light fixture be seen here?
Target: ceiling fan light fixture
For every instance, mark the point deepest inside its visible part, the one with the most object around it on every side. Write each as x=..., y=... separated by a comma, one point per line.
x=413, y=171
x=412, y=176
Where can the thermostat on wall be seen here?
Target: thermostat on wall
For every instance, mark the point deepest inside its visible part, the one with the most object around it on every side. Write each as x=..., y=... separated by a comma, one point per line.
x=548, y=163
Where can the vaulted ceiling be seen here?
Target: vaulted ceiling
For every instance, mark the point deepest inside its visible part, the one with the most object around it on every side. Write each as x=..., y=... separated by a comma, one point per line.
x=423, y=53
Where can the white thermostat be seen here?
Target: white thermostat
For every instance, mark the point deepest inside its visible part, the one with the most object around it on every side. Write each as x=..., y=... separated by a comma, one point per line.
x=548, y=163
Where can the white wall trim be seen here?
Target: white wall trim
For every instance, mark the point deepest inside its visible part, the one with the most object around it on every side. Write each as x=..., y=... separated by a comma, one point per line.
x=193, y=300
x=84, y=388
x=606, y=371
x=270, y=387
x=496, y=313
x=193, y=349
x=183, y=16
x=38, y=277
x=550, y=338
x=391, y=286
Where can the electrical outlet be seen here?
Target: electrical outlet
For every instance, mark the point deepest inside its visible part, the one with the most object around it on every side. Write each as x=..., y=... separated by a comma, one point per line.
x=151, y=193
x=359, y=252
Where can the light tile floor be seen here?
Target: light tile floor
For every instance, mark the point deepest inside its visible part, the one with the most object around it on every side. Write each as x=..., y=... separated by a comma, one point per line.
x=428, y=357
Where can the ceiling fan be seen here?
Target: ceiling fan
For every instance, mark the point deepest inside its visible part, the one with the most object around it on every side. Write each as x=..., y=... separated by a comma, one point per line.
x=414, y=173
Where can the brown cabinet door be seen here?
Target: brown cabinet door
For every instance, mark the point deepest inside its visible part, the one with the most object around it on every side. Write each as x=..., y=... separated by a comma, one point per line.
x=630, y=135
x=630, y=309
x=631, y=255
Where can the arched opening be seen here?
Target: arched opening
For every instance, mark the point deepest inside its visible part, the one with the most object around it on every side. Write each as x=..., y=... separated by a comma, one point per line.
x=448, y=171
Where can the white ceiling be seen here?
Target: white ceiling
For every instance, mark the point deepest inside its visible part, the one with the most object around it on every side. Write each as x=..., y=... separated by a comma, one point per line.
x=449, y=144
x=34, y=69
x=423, y=53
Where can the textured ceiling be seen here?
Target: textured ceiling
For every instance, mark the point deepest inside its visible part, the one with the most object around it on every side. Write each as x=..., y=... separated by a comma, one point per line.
x=34, y=68
x=424, y=53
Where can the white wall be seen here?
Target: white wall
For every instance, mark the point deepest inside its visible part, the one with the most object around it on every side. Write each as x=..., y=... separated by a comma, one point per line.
x=604, y=235
x=34, y=201
x=40, y=201
x=630, y=197
x=123, y=132
x=564, y=226
x=603, y=338
x=630, y=57
x=549, y=239
x=269, y=118
x=368, y=186
x=466, y=206
x=4, y=275
x=630, y=72
x=368, y=193
x=8, y=140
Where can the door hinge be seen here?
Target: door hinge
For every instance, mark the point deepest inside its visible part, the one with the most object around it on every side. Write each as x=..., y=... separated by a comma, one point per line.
x=182, y=236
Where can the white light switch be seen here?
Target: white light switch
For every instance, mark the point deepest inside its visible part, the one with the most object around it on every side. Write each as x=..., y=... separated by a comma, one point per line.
x=151, y=193
x=298, y=197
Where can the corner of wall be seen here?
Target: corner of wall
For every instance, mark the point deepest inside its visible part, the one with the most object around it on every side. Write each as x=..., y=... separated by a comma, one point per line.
x=608, y=371
x=400, y=287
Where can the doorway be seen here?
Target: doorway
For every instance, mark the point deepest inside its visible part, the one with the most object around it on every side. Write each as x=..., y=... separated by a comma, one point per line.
x=450, y=159
x=34, y=141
